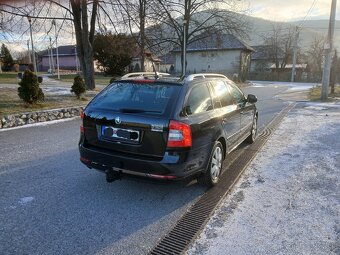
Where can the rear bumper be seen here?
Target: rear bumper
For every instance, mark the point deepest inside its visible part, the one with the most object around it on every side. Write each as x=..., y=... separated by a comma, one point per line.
x=173, y=165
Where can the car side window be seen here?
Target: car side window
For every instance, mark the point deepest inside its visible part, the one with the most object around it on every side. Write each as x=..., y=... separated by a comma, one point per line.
x=199, y=100
x=222, y=94
x=237, y=94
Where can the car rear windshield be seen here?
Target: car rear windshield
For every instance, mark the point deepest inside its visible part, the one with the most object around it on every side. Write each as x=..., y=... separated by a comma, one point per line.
x=131, y=97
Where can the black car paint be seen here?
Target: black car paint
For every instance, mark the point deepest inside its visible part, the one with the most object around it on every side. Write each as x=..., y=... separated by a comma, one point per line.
x=223, y=124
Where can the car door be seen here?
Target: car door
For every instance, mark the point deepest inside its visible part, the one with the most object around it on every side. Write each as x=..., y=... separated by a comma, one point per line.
x=227, y=110
x=246, y=110
x=199, y=111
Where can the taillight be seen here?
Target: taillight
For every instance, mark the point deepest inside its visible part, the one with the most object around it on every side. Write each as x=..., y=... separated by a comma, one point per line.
x=82, y=120
x=179, y=135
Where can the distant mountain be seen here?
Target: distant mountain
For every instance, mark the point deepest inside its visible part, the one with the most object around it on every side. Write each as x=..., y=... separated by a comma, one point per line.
x=309, y=30
x=258, y=28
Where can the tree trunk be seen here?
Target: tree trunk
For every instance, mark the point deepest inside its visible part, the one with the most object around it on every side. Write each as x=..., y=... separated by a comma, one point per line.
x=83, y=36
x=142, y=9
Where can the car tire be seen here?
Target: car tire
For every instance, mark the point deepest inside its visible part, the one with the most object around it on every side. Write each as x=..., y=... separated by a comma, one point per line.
x=253, y=133
x=212, y=174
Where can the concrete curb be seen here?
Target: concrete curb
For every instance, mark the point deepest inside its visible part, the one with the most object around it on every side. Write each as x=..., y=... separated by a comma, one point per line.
x=21, y=119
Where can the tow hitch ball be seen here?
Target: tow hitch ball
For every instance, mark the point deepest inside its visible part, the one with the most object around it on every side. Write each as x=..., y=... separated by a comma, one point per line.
x=111, y=175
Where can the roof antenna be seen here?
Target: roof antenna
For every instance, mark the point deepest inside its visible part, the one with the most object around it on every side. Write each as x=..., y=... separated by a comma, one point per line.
x=154, y=69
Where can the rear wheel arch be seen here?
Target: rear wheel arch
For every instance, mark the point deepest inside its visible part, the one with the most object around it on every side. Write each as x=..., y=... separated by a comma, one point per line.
x=224, y=145
x=211, y=175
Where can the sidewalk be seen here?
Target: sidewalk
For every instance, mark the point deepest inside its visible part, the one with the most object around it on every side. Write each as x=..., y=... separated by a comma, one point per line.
x=288, y=200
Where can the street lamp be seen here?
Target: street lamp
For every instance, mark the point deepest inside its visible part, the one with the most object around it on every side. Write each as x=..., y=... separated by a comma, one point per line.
x=76, y=54
x=33, y=54
x=56, y=46
x=51, y=57
x=184, y=47
x=29, y=52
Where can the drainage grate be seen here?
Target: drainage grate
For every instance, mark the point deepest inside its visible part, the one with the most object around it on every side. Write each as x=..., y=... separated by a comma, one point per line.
x=193, y=221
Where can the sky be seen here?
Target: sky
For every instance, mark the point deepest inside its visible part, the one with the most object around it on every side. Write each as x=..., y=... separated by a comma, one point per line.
x=276, y=10
x=291, y=10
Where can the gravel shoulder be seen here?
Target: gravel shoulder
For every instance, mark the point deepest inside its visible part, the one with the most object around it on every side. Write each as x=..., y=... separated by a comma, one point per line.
x=288, y=201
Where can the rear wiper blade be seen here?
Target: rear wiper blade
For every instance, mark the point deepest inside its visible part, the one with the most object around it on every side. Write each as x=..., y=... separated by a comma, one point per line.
x=133, y=110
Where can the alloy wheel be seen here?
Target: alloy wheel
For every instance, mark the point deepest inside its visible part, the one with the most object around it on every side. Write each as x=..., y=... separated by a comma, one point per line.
x=216, y=163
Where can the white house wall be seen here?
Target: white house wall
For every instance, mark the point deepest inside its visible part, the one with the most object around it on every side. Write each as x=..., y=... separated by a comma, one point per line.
x=226, y=62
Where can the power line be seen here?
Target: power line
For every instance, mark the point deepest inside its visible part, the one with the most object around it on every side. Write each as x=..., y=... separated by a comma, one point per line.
x=308, y=13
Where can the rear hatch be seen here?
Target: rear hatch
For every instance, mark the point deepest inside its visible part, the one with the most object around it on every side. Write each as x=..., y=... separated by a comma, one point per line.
x=131, y=117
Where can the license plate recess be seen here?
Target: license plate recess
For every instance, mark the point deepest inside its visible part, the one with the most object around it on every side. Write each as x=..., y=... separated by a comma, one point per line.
x=120, y=134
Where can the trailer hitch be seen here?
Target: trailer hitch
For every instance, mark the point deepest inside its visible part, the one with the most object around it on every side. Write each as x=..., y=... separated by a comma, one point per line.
x=112, y=175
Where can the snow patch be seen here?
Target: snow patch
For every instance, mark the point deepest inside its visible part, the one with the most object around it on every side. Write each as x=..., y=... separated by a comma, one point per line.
x=287, y=202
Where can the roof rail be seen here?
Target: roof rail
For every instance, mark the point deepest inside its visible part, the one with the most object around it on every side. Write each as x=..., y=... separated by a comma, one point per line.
x=191, y=77
x=143, y=75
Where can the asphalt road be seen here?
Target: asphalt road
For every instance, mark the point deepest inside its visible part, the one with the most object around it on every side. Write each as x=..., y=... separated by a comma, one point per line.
x=52, y=204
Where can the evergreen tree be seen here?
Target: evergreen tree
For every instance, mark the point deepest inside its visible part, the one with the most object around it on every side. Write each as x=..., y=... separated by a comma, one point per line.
x=114, y=52
x=6, y=57
x=78, y=86
x=29, y=89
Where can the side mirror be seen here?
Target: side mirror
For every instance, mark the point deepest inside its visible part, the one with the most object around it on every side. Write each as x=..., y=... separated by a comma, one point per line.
x=251, y=99
x=186, y=111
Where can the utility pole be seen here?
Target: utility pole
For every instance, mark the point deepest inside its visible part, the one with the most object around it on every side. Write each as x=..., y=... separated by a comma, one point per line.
x=33, y=53
x=294, y=54
x=56, y=46
x=328, y=53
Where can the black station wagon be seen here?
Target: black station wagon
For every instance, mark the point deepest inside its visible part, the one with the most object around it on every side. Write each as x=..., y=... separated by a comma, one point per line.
x=166, y=130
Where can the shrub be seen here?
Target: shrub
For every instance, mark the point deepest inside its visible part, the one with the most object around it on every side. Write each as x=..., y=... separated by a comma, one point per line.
x=78, y=86
x=29, y=89
x=113, y=79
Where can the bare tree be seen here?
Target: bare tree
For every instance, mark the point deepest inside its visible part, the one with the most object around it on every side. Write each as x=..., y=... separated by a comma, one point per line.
x=85, y=36
x=314, y=55
x=136, y=14
x=174, y=19
x=280, y=46
x=81, y=13
x=23, y=57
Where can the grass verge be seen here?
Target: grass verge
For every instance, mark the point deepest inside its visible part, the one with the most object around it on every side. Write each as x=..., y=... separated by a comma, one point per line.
x=10, y=103
x=99, y=79
x=315, y=93
x=12, y=78
x=9, y=78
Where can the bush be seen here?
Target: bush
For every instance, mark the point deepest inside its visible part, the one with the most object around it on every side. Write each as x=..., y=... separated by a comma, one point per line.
x=29, y=89
x=113, y=79
x=78, y=86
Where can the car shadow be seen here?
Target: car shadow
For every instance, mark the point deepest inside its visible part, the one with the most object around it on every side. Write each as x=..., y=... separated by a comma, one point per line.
x=73, y=210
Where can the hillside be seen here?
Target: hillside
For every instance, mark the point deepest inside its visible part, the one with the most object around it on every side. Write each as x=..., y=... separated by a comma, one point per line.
x=258, y=28
x=309, y=30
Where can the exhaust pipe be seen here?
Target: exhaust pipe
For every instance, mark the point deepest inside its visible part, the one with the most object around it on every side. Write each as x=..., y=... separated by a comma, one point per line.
x=112, y=176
